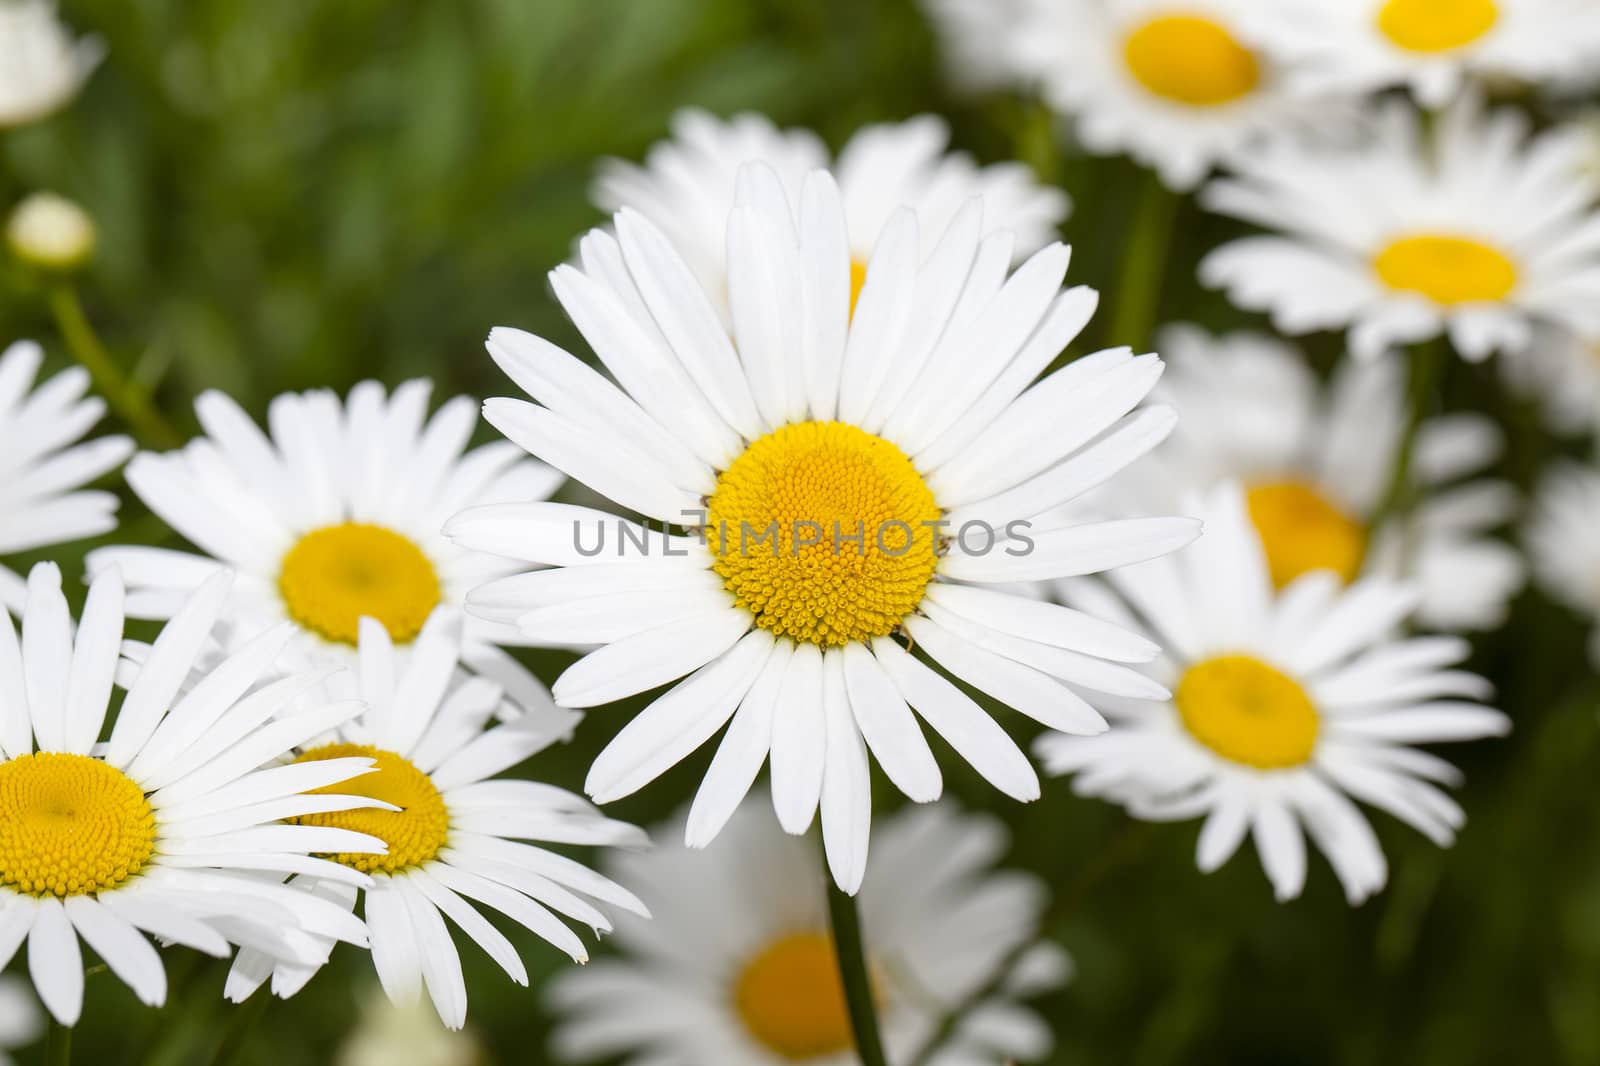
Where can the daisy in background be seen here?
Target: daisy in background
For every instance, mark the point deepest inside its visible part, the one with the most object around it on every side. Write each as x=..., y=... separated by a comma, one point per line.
x=974, y=37
x=686, y=187
x=20, y=1020
x=1561, y=371
x=1432, y=46
x=42, y=65
x=1316, y=463
x=44, y=463
x=167, y=827
x=1286, y=706
x=1471, y=228
x=895, y=455
x=452, y=834
x=1560, y=541
x=1175, y=85
x=332, y=518
x=738, y=966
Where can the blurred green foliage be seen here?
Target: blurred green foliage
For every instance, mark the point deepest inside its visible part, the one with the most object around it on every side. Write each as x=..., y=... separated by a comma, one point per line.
x=301, y=192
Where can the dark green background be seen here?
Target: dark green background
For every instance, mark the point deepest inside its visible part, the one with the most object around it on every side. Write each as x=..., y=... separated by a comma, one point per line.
x=306, y=192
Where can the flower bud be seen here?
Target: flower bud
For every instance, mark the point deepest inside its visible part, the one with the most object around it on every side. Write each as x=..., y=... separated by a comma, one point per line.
x=50, y=232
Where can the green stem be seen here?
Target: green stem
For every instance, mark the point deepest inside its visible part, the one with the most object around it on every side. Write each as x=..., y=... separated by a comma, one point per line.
x=1427, y=371
x=1144, y=260
x=58, y=1045
x=1037, y=142
x=129, y=402
x=852, y=956
x=245, y=1018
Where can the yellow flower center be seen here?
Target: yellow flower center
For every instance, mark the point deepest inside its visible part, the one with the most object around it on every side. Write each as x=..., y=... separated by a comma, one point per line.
x=824, y=533
x=336, y=575
x=1249, y=712
x=1192, y=60
x=414, y=833
x=1447, y=270
x=1437, y=25
x=1301, y=532
x=71, y=825
x=858, y=278
x=791, y=999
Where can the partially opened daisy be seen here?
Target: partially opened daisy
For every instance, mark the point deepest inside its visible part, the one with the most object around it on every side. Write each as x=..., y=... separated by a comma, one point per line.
x=1175, y=85
x=1561, y=544
x=20, y=1020
x=332, y=518
x=1432, y=46
x=858, y=482
x=454, y=831
x=385, y=1034
x=1316, y=463
x=686, y=186
x=42, y=65
x=167, y=827
x=1470, y=228
x=738, y=965
x=44, y=462
x=1560, y=370
x=1286, y=706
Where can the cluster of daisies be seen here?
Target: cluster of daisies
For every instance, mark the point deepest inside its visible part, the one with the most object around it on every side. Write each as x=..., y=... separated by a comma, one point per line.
x=1211, y=584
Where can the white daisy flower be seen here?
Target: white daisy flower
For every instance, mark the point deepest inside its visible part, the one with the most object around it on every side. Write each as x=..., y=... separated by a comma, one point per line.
x=1561, y=544
x=1432, y=46
x=1316, y=464
x=1561, y=371
x=42, y=65
x=686, y=186
x=1472, y=229
x=167, y=827
x=975, y=39
x=333, y=518
x=21, y=1022
x=893, y=460
x=43, y=464
x=453, y=834
x=1285, y=707
x=1174, y=85
x=738, y=965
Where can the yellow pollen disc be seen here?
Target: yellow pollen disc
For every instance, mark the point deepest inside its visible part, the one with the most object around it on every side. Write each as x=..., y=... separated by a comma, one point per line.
x=1447, y=270
x=791, y=999
x=71, y=825
x=336, y=575
x=1301, y=532
x=1192, y=60
x=1436, y=25
x=858, y=278
x=1249, y=712
x=414, y=833
x=824, y=533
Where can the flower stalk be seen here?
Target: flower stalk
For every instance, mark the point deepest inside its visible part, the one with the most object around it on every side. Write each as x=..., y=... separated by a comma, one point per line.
x=1427, y=373
x=58, y=1045
x=130, y=403
x=1144, y=260
x=851, y=951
